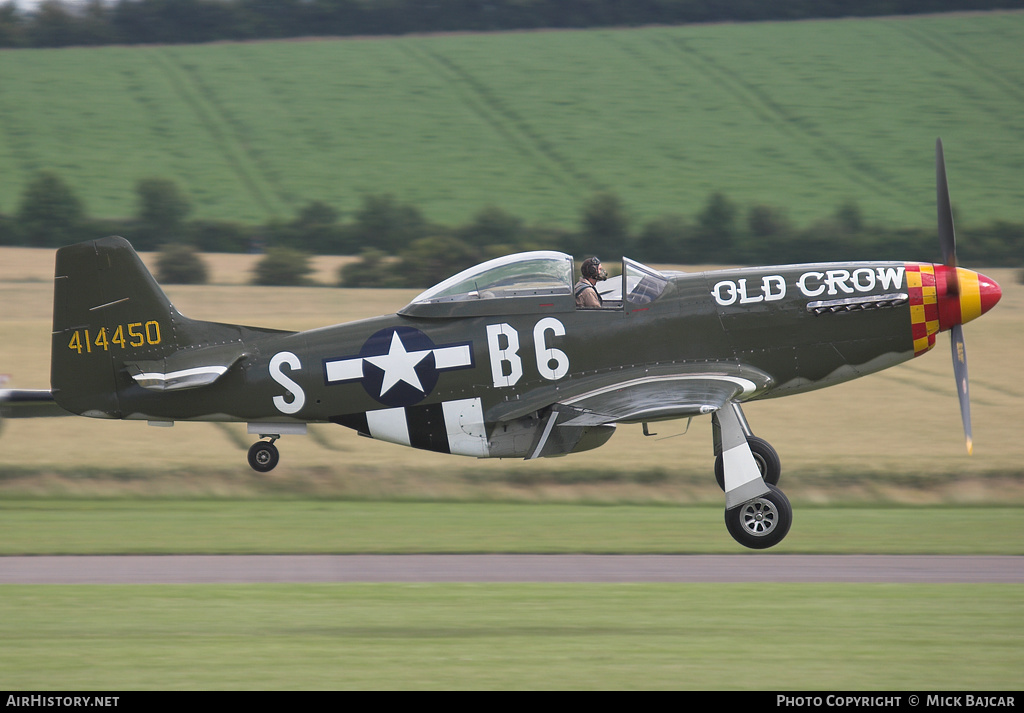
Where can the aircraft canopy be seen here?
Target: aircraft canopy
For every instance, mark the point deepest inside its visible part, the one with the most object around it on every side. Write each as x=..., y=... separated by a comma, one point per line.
x=512, y=285
x=530, y=274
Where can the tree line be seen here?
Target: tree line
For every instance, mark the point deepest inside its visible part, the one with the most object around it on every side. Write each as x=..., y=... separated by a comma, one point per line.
x=398, y=247
x=104, y=22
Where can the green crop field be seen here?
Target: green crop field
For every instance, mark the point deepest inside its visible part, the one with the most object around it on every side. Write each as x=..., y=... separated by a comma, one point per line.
x=804, y=116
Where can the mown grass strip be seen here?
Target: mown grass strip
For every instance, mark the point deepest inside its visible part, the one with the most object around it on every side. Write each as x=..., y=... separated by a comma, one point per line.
x=34, y=526
x=379, y=636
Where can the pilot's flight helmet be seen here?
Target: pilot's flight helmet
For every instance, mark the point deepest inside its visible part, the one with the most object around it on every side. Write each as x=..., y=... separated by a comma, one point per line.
x=592, y=269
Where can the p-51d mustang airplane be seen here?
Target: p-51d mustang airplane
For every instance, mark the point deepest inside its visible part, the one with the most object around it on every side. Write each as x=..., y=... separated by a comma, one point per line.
x=498, y=362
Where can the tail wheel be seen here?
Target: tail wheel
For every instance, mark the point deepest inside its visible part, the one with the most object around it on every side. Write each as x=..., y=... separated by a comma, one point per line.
x=263, y=456
x=762, y=522
x=765, y=456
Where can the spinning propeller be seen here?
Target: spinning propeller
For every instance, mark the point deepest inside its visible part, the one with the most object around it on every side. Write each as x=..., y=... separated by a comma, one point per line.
x=962, y=295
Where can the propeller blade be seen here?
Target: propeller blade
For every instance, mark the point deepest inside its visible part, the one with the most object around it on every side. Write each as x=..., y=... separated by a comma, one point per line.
x=956, y=335
x=947, y=235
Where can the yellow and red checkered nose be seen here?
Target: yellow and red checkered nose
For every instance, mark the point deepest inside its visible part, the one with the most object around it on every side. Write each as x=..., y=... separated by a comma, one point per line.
x=968, y=297
x=936, y=304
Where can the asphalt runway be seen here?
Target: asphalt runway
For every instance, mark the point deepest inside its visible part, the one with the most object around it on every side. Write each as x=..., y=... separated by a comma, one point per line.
x=754, y=567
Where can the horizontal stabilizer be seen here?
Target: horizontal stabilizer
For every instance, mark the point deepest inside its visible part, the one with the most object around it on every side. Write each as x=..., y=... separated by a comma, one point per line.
x=29, y=403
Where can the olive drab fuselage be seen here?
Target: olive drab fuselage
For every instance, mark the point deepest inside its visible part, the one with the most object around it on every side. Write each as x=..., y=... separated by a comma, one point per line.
x=459, y=375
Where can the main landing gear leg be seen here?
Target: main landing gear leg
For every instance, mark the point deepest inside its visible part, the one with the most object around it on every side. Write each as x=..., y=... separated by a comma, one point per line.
x=765, y=456
x=757, y=514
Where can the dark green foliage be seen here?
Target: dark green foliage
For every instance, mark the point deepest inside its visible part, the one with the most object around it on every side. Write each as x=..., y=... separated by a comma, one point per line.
x=316, y=230
x=767, y=228
x=103, y=227
x=161, y=213
x=663, y=239
x=282, y=266
x=383, y=222
x=316, y=213
x=56, y=23
x=59, y=24
x=999, y=243
x=179, y=264
x=716, y=230
x=50, y=215
x=429, y=260
x=604, y=227
x=849, y=216
x=373, y=269
x=220, y=236
x=423, y=263
x=399, y=248
x=9, y=231
x=493, y=226
x=13, y=32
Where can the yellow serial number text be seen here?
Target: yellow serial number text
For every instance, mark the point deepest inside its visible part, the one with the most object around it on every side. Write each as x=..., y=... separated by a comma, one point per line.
x=134, y=334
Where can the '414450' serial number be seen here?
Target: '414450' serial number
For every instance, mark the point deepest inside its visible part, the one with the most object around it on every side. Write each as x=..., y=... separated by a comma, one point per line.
x=134, y=334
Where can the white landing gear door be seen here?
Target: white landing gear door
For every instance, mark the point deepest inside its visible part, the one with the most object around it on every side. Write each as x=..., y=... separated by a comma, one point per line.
x=743, y=481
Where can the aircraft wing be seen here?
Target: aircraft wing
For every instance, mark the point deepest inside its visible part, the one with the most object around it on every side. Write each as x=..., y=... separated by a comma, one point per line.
x=638, y=394
x=592, y=406
x=653, y=398
x=29, y=403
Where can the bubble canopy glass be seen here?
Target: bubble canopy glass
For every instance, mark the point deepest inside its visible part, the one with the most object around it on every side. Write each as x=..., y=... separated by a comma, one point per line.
x=537, y=273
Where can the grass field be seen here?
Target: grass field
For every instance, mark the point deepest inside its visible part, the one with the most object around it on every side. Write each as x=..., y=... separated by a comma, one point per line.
x=822, y=637
x=803, y=115
x=726, y=637
x=78, y=526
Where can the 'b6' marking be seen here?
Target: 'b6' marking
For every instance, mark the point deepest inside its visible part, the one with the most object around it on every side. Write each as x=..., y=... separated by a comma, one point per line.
x=503, y=347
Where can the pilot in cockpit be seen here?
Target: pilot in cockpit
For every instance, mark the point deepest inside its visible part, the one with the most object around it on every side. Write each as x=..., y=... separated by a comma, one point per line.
x=586, y=292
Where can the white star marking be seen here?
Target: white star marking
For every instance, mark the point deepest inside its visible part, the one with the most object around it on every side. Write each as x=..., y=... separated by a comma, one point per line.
x=399, y=365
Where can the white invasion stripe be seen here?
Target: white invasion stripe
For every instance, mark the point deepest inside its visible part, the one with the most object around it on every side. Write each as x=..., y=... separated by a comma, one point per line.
x=389, y=424
x=747, y=385
x=452, y=357
x=464, y=422
x=344, y=369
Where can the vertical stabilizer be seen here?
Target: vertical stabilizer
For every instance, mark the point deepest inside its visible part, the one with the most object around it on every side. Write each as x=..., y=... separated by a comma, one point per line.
x=107, y=309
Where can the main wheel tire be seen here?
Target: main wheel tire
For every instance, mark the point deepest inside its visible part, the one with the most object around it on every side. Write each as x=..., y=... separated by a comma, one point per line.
x=762, y=522
x=263, y=456
x=765, y=456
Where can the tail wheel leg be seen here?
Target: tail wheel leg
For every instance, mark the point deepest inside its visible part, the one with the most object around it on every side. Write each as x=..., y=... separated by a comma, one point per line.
x=263, y=456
